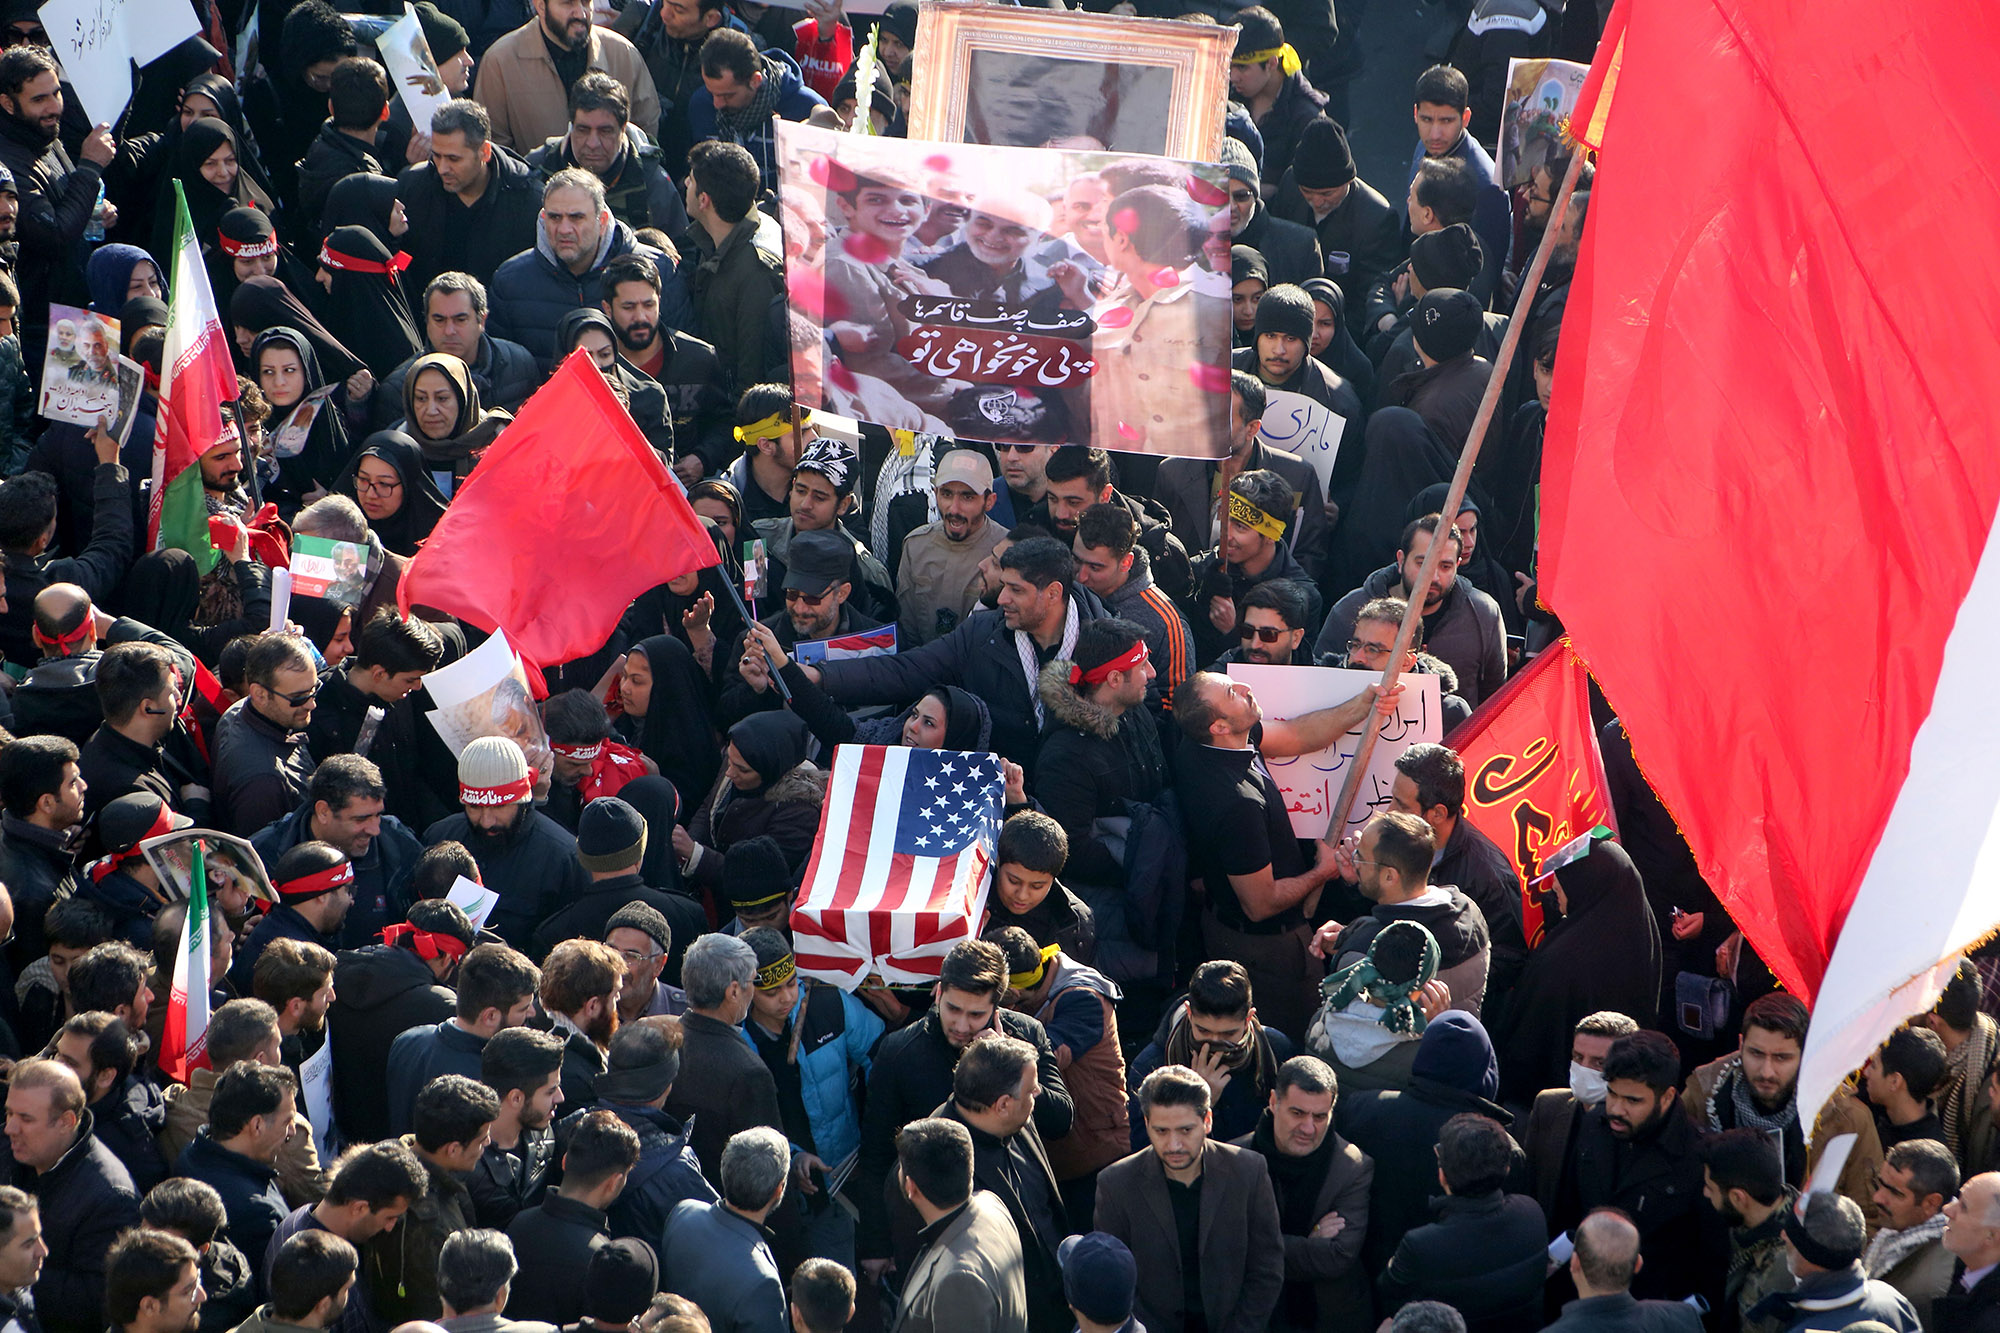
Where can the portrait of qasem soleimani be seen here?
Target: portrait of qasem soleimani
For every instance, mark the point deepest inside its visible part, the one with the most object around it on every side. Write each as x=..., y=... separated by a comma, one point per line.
x=1031, y=101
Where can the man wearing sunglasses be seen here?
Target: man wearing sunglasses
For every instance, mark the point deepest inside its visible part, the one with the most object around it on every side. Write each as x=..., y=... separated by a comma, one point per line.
x=818, y=582
x=260, y=759
x=1271, y=630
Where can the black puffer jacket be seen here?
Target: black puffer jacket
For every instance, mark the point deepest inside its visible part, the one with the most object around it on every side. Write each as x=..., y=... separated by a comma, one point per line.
x=1089, y=765
x=379, y=992
x=86, y=1199
x=668, y=1172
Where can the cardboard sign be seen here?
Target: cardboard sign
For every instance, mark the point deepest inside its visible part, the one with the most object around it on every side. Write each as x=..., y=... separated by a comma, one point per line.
x=1303, y=428
x=1311, y=782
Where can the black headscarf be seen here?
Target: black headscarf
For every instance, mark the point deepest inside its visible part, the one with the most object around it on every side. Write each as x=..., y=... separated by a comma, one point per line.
x=423, y=502
x=1403, y=456
x=229, y=110
x=774, y=743
x=1342, y=355
x=967, y=724
x=361, y=200
x=265, y=303
x=659, y=609
x=162, y=592
x=367, y=310
x=660, y=806
x=141, y=312
x=309, y=455
x=723, y=489
x=676, y=733
x=1603, y=954
x=206, y=204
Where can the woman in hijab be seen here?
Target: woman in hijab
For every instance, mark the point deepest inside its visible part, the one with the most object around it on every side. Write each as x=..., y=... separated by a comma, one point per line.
x=263, y=302
x=362, y=200
x=1604, y=953
x=245, y=246
x=767, y=789
x=661, y=710
x=212, y=96
x=1401, y=458
x=210, y=170
x=308, y=438
x=695, y=608
x=328, y=624
x=121, y=273
x=441, y=413
x=717, y=499
x=660, y=806
x=1332, y=343
x=388, y=479
x=365, y=308
x=642, y=395
x=1249, y=279
x=165, y=590
x=135, y=317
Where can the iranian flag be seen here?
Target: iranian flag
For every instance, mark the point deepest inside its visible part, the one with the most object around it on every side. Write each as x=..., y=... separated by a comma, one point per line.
x=184, y=1044
x=196, y=379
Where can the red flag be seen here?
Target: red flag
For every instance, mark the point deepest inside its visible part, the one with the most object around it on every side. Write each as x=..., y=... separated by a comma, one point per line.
x=1534, y=779
x=1771, y=468
x=568, y=517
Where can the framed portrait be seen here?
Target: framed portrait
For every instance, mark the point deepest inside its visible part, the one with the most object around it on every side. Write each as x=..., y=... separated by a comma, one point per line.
x=1038, y=78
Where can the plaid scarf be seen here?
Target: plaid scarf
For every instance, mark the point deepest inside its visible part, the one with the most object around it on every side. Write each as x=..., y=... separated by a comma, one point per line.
x=1966, y=1071
x=742, y=125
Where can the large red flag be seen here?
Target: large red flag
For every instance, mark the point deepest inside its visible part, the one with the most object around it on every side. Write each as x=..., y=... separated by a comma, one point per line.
x=1534, y=780
x=1771, y=470
x=568, y=517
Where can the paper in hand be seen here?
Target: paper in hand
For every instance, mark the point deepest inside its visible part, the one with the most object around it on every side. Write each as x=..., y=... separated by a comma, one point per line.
x=475, y=900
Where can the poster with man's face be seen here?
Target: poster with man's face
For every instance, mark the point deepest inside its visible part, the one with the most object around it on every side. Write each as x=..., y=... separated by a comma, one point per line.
x=80, y=372
x=1030, y=101
x=1013, y=295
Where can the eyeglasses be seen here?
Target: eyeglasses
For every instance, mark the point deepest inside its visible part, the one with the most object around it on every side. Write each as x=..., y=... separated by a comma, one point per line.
x=1262, y=633
x=634, y=957
x=388, y=487
x=804, y=598
x=1356, y=646
x=1015, y=448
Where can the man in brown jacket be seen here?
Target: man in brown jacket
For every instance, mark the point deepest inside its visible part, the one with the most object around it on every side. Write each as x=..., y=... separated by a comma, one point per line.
x=968, y=1274
x=527, y=94
x=1321, y=1182
x=238, y=1031
x=1199, y=1217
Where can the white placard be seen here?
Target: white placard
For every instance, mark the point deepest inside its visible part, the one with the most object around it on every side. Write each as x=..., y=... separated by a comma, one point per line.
x=485, y=693
x=281, y=598
x=413, y=73
x=97, y=41
x=316, y=1089
x=1304, y=428
x=475, y=900
x=1311, y=782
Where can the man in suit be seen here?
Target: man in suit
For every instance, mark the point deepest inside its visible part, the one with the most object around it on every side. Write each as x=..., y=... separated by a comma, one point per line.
x=1199, y=1217
x=1605, y=1261
x=1558, y=1112
x=969, y=1272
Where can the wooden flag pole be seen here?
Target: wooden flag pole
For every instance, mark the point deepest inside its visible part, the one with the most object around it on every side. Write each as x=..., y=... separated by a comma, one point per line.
x=1531, y=281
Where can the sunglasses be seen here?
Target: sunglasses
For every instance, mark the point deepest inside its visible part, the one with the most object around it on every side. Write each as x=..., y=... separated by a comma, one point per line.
x=805, y=598
x=298, y=700
x=1262, y=633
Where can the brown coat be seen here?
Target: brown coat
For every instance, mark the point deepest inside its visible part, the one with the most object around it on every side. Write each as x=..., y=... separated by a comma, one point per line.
x=1242, y=1249
x=1843, y=1115
x=970, y=1280
x=1545, y=1138
x=1343, y=1298
x=520, y=89
x=300, y=1174
x=1102, y=1130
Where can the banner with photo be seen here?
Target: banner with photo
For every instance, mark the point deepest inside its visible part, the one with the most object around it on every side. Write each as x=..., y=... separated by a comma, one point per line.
x=1533, y=125
x=80, y=370
x=1034, y=296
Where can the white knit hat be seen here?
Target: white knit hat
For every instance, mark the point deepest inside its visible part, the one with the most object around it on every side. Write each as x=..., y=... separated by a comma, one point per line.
x=493, y=771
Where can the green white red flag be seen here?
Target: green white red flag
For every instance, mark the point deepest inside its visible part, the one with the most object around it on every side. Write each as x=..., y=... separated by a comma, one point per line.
x=196, y=378
x=184, y=1044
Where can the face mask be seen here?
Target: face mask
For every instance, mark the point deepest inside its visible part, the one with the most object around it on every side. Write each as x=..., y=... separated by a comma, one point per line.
x=1586, y=1084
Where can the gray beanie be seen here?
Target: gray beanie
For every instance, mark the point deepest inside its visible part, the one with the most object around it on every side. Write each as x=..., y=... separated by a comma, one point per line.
x=1243, y=167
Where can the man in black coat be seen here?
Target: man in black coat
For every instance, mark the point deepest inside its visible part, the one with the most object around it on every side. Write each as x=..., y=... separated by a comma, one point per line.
x=249, y=1119
x=570, y=1225
x=260, y=757
x=1454, y=1072
x=1290, y=249
x=127, y=753
x=343, y=808
x=611, y=840
x=315, y=884
x=27, y=525
x=85, y=1195
x=1282, y=359
x=724, y=1086
x=43, y=793
x=1603, y=1264
x=126, y=1113
x=524, y=856
x=1487, y=1253
x=913, y=1073
x=382, y=991
x=470, y=208
x=1360, y=235
x=387, y=669
x=639, y=1073
x=1430, y=784
x=58, y=196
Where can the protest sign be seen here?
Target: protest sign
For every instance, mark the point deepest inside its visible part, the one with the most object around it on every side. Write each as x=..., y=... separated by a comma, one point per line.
x=337, y=571
x=1303, y=428
x=80, y=371
x=879, y=642
x=413, y=73
x=316, y=1098
x=1311, y=782
x=230, y=865
x=98, y=41
x=1540, y=96
x=954, y=289
x=485, y=693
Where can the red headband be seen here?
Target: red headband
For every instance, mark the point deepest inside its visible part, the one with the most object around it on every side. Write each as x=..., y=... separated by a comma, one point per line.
x=332, y=258
x=83, y=633
x=428, y=944
x=247, y=249
x=162, y=823
x=578, y=751
x=1097, y=675
x=325, y=881
x=502, y=795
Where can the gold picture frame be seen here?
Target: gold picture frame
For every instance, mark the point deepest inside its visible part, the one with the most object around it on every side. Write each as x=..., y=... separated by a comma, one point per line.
x=1003, y=74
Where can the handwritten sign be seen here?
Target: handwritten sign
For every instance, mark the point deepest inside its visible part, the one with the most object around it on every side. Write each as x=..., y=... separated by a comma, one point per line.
x=1311, y=782
x=98, y=41
x=1305, y=428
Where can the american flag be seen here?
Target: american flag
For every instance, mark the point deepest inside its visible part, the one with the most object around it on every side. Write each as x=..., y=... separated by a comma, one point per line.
x=898, y=874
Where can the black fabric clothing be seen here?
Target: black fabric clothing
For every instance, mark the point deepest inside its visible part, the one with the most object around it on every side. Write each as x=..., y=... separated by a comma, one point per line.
x=333, y=157
x=38, y=866
x=507, y=1180
x=98, y=568
x=668, y=1172
x=57, y=197
x=1400, y=457
x=1016, y=1171
x=263, y=302
x=1244, y=1098
x=559, y=1236
x=128, y=1119
x=446, y=233
x=1360, y=239
x=1485, y=1256
x=533, y=290
x=738, y=699
x=1290, y=248
x=260, y=769
x=531, y=864
x=309, y=438
x=504, y=372
x=1185, y=1200
x=1323, y=385
x=1656, y=1178
x=1604, y=954
x=1212, y=576
x=282, y=922
x=1960, y=1310
x=366, y=311
x=1925, y=1126
x=417, y=769
x=86, y=1199
x=379, y=992
x=676, y=733
x=585, y=917
x=1474, y=864
x=249, y=1189
x=198, y=142
x=1237, y=825
x=381, y=874
x=164, y=591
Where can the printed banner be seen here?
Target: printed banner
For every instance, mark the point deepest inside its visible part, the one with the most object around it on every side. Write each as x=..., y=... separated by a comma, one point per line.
x=1009, y=294
x=80, y=370
x=1534, y=780
x=485, y=693
x=1311, y=782
x=337, y=571
x=413, y=73
x=1541, y=94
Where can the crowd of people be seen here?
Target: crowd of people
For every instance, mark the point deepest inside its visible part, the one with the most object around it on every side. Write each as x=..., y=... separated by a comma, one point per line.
x=1189, y=1073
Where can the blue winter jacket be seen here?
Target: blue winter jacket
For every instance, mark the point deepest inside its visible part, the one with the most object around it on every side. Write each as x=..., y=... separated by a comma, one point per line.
x=840, y=1034
x=795, y=102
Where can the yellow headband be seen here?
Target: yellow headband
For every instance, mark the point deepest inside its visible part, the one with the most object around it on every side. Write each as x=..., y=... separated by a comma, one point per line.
x=1287, y=58
x=1250, y=516
x=772, y=427
x=775, y=974
x=1026, y=981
